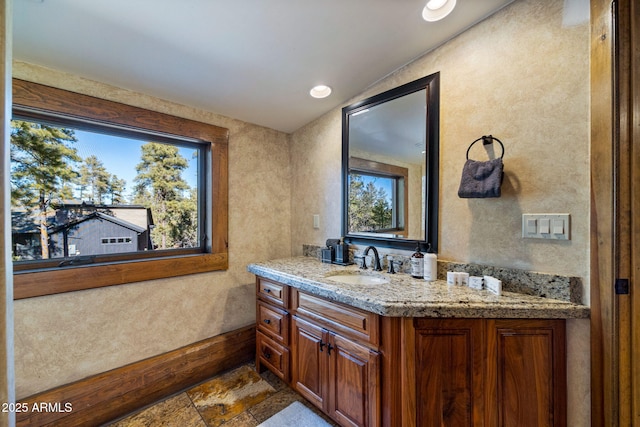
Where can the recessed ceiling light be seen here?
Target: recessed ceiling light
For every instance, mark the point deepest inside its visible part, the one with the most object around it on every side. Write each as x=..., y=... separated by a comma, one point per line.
x=436, y=10
x=320, y=91
x=436, y=4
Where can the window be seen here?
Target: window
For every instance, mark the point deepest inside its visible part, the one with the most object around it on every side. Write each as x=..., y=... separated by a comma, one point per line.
x=377, y=197
x=74, y=186
x=125, y=195
x=114, y=240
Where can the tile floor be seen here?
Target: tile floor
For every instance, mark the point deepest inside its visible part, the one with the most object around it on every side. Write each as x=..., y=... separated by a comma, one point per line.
x=237, y=398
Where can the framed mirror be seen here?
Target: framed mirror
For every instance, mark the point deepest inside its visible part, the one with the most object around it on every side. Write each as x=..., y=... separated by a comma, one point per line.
x=390, y=158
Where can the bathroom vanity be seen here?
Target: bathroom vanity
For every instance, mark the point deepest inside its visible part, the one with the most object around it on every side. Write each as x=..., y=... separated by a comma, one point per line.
x=374, y=349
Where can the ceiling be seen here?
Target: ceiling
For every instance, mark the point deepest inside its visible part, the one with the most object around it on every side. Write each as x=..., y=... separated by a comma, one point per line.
x=253, y=60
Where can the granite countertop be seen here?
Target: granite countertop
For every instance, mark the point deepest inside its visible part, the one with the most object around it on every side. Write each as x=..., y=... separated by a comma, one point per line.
x=404, y=296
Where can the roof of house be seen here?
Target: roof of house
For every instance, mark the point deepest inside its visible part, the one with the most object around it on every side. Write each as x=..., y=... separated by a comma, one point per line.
x=135, y=218
x=99, y=216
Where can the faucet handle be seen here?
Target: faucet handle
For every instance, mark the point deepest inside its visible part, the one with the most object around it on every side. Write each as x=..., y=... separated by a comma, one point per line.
x=393, y=264
x=363, y=263
x=390, y=262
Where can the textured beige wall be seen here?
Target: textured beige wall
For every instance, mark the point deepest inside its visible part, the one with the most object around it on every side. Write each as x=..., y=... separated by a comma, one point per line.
x=524, y=78
x=66, y=337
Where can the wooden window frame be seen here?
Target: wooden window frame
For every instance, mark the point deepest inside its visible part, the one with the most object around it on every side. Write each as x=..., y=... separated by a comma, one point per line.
x=46, y=99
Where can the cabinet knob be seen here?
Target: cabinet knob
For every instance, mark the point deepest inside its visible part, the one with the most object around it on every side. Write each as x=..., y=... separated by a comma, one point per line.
x=322, y=345
x=267, y=321
x=266, y=355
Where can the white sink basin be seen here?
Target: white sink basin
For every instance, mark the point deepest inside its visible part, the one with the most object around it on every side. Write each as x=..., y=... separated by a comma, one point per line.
x=358, y=279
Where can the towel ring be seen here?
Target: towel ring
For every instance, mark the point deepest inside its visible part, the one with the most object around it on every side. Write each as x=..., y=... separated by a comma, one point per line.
x=486, y=140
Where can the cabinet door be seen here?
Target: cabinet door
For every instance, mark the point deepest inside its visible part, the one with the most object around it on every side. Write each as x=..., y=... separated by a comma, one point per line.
x=449, y=366
x=526, y=373
x=310, y=361
x=354, y=397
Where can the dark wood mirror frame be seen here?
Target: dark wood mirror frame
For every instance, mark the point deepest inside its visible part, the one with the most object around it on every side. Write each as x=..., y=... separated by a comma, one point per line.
x=432, y=85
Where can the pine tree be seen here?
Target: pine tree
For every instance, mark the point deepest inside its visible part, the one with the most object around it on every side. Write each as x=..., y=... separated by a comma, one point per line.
x=95, y=178
x=42, y=165
x=369, y=208
x=115, y=189
x=159, y=184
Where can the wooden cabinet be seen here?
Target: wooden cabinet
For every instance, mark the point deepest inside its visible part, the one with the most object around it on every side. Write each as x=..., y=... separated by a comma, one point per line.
x=478, y=372
x=310, y=362
x=272, y=326
x=449, y=380
x=354, y=391
x=326, y=351
x=362, y=369
x=526, y=373
x=336, y=374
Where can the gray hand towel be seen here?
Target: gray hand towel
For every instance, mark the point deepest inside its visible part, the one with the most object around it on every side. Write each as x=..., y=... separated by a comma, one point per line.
x=481, y=179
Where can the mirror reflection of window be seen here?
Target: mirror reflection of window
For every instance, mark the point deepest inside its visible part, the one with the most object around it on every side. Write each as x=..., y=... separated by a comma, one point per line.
x=377, y=197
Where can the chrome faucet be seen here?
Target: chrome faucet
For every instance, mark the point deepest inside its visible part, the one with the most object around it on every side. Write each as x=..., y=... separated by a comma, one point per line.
x=376, y=258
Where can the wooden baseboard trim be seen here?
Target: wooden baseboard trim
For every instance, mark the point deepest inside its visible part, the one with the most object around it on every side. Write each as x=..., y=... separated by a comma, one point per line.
x=109, y=395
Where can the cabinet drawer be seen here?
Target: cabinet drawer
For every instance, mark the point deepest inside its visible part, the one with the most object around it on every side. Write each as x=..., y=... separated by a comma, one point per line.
x=273, y=355
x=349, y=321
x=273, y=321
x=273, y=292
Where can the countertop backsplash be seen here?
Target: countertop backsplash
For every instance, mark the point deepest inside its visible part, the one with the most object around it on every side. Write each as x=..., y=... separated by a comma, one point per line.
x=545, y=285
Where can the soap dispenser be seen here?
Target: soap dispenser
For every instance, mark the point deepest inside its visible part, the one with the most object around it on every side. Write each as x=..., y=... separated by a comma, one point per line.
x=417, y=263
x=342, y=253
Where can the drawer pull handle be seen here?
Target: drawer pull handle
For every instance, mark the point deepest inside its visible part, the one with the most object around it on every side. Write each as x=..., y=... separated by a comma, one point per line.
x=266, y=355
x=267, y=290
x=267, y=321
x=329, y=348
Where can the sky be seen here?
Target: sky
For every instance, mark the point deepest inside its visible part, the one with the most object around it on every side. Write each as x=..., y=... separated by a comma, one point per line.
x=121, y=155
x=385, y=183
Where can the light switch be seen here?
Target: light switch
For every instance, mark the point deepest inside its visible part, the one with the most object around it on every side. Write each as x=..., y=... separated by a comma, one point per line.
x=544, y=226
x=316, y=221
x=558, y=226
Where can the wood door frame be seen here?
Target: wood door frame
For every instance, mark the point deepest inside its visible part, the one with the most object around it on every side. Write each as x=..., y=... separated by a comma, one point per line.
x=615, y=195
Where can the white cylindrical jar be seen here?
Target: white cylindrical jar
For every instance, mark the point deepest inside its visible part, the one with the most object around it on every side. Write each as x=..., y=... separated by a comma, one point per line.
x=430, y=272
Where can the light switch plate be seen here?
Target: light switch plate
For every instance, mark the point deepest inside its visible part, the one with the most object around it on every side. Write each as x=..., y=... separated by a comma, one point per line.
x=546, y=226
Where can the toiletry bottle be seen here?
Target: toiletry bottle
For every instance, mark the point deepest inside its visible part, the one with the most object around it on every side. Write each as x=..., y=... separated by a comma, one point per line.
x=430, y=265
x=417, y=264
x=342, y=252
